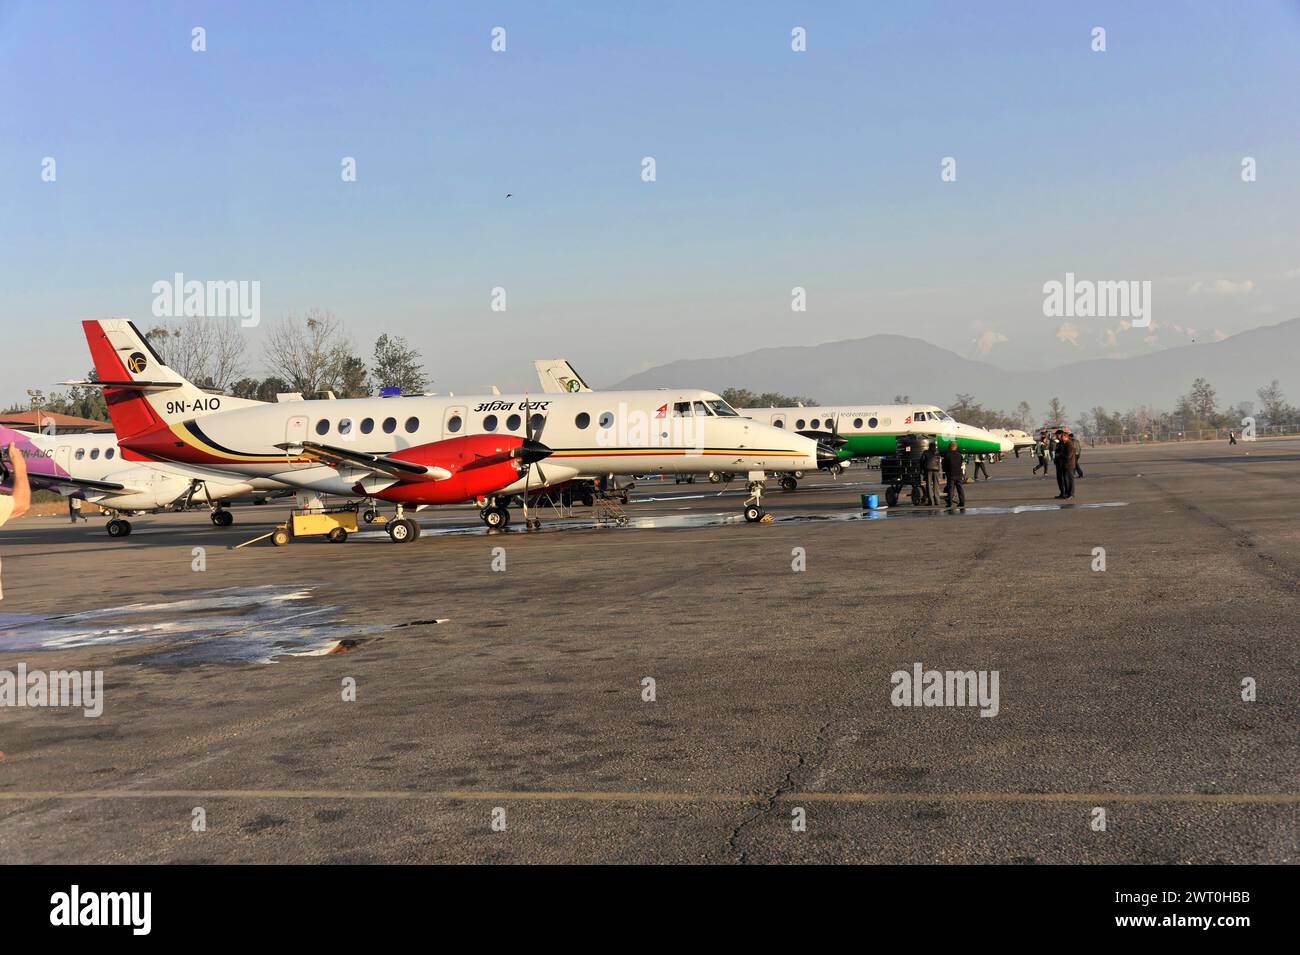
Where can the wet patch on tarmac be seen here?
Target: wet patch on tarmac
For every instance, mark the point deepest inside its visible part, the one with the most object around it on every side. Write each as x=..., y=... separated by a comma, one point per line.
x=231, y=625
x=696, y=519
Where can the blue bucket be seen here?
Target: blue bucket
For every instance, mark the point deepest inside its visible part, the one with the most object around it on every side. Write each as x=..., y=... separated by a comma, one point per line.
x=870, y=502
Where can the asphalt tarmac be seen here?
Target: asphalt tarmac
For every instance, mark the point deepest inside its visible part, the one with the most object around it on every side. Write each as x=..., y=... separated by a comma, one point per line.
x=520, y=728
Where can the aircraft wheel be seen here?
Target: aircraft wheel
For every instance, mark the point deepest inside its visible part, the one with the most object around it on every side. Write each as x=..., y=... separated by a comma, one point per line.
x=118, y=528
x=402, y=531
x=728, y=476
x=916, y=496
x=337, y=536
x=279, y=537
x=788, y=483
x=222, y=518
x=753, y=513
x=370, y=515
x=715, y=477
x=495, y=517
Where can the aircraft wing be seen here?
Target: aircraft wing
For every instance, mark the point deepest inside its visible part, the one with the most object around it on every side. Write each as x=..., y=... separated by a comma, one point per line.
x=51, y=481
x=378, y=463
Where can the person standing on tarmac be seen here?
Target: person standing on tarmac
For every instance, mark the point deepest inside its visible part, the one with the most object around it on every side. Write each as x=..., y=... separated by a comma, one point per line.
x=952, y=474
x=1066, y=461
x=931, y=464
x=1040, y=454
x=979, y=466
x=1232, y=437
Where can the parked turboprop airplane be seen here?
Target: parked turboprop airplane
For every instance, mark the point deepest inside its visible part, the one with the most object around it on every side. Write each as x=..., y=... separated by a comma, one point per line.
x=401, y=448
x=851, y=432
x=93, y=468
x=869, y=431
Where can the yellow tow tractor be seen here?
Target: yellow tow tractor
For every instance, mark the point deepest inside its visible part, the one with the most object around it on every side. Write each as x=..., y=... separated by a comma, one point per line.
x=332, y=523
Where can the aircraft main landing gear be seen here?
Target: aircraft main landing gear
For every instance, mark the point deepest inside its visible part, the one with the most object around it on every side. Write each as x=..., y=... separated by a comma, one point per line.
x=789, y=483
x=402, y=529
x=222, y=517
x=117, y=527
x=496, y=515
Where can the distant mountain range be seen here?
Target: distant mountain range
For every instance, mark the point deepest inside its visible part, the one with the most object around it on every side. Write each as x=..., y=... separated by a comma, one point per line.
x=880, y=366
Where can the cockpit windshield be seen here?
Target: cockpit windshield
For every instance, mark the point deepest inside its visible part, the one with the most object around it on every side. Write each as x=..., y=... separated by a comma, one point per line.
x=941, y=415
x=722, y=409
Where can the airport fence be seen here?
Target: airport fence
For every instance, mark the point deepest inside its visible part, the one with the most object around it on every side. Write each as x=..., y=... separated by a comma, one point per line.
x=1201, y=434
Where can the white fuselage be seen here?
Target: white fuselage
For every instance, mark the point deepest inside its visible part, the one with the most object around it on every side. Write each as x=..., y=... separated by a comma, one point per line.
x=145, y=484
x=872, y=428
x=591, y=435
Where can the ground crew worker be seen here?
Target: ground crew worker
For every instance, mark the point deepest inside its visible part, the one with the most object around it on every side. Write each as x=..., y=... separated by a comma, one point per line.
x=1232, y=437
x=952, y=474
x=1040, y=454
x=74, y=510
x=1066, y=461
x=979, y=466
x=931, y=464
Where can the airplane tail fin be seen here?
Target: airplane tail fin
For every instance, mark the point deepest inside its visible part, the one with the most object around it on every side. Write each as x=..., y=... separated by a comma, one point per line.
x=559, y=377
x=142, y=393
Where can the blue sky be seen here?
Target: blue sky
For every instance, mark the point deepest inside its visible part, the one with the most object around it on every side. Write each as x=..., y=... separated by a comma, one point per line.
x=775, y=169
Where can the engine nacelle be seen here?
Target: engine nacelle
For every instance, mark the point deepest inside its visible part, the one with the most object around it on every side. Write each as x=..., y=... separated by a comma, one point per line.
x=480, y=465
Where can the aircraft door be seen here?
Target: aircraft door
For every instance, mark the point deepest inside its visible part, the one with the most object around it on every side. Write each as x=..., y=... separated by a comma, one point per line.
x=778, y=420
x=454, y=422
x=63, y=458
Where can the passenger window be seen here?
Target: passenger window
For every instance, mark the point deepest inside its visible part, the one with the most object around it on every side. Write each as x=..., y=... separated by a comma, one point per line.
x=490, y=423
x=367, y=425
x=816, y=423
x=778, y=423
x=535, y=422
x=606, y=420
x=512, y=423
x=81, y=453
x=345, y=425
x=322, y=426
x=390, y=425
x=798, y=425
x=453, y=423
x=94, y=453
x=857, y=423
x=110, y=452
x=412, y=425
x=582, y=420
x=872, y=422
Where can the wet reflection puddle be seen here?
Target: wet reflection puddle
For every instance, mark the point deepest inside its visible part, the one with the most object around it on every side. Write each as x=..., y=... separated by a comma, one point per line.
x=231, y=625
x=697, y=520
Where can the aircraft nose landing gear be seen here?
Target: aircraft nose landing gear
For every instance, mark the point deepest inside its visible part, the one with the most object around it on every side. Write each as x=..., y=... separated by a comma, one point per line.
x=754, y=503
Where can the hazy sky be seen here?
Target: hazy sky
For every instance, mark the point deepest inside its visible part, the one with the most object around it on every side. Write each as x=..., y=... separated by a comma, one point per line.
x=774, y=168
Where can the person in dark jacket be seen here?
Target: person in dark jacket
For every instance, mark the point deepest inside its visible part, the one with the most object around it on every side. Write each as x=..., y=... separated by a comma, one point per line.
x=1065, y=458
x=931, y=465
x=952, y=474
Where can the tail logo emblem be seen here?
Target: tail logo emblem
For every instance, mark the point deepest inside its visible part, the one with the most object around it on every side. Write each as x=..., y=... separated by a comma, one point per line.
x=136, y=362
